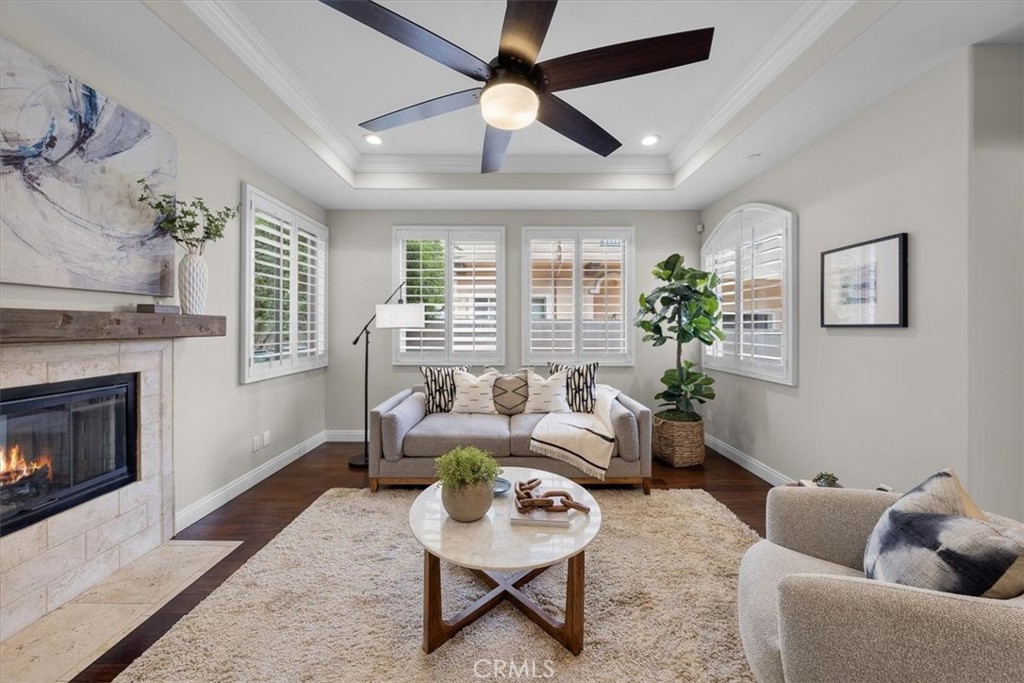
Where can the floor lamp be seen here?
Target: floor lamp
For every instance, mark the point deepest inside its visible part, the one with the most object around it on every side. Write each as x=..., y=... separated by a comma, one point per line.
x=387, y=316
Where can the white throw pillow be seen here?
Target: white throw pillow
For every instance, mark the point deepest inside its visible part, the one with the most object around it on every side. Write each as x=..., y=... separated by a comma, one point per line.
x=474, y=394
x=546, y=395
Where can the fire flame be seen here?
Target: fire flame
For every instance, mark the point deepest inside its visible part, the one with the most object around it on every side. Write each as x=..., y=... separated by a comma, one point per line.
x=14, y=467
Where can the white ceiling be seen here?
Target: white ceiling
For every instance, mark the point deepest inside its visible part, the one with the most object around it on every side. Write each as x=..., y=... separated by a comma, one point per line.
x=286, y=82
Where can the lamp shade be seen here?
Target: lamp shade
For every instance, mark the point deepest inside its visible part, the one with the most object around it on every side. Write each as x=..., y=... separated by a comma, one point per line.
x=408, y=316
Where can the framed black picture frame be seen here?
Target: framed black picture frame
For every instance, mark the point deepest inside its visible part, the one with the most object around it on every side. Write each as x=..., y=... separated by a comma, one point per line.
x=865, y=284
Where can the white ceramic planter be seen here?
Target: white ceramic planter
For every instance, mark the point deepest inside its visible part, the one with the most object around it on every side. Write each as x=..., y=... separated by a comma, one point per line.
x=193, y=279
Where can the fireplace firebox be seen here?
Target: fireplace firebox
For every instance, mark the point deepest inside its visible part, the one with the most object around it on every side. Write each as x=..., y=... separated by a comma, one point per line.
x=64, y=443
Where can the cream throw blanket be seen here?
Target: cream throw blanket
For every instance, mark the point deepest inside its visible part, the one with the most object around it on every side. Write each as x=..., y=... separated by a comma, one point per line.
x=584, y=440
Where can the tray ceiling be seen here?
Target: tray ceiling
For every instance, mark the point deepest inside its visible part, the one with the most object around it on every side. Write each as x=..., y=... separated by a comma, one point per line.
x=285, y=84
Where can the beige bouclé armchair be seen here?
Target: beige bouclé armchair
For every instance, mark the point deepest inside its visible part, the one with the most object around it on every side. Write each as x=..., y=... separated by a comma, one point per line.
x=808, y=615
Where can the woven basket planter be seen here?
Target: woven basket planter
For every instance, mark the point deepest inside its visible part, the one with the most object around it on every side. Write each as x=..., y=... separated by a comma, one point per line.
x=680, y=444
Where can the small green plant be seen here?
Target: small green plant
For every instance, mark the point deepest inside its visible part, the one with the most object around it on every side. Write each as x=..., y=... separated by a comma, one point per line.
x=684, y=308
x=190, y=224
x=465, y=465
x=826, y=479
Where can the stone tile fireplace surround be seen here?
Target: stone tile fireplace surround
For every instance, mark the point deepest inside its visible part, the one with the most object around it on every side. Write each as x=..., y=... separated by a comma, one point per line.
x=45, y=565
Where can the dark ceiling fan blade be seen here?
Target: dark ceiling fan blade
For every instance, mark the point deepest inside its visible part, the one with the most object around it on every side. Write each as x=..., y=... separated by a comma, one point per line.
x=495, y=144
x=526, y=24
x=562, y=117
x=413, y=35
x=612, y=62
x=424, y=110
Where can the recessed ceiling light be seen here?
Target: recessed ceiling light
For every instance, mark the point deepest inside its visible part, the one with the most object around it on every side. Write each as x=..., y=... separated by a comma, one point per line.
x=649, y=140
x=373, y=139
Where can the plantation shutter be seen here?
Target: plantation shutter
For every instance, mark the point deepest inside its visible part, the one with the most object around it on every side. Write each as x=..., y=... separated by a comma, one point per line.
x=311, y=321
x=604, y=317
x=577, y=305
x=271, y=329
x=285, y=294
x=720, y=257
x=752, y=252
x=456, y=274
x=552, y=295
x=474, y=298
x=762, y=265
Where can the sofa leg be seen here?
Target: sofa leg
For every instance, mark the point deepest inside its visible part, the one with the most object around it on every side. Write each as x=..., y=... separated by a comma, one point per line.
x=373, y=485
x=647, y=486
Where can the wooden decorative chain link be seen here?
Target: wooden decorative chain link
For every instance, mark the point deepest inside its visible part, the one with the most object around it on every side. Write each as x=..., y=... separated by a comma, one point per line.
x=555, y=500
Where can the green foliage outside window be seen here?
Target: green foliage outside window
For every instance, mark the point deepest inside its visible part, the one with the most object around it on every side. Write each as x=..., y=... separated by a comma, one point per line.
x=424, y=278
x=272, y=293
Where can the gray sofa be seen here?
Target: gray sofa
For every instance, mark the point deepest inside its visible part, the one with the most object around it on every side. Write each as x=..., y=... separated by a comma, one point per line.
x=808, y=614
x=404, y=441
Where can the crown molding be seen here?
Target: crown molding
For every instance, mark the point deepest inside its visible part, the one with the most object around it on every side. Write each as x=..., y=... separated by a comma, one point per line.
x=227, y=21
x=807, y=25
x=535, y=163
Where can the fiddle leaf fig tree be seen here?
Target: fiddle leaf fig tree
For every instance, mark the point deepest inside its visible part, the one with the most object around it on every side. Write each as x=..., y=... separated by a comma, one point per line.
x=686, y=307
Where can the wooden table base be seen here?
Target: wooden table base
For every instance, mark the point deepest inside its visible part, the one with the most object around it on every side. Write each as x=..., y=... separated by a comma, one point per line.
x=437, y=630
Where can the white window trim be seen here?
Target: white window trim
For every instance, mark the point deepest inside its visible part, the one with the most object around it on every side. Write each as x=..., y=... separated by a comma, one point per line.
x=249, y=372
x=431, y=232
x=789, y=301
x=628, y=296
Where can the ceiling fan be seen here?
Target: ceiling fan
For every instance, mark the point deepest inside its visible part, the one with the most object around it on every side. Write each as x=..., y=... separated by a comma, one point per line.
x=517, y=90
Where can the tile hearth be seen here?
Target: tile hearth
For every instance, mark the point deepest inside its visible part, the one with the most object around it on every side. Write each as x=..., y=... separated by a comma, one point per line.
x=60, y=645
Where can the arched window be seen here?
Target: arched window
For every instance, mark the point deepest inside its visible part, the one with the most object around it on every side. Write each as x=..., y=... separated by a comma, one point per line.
x=753, y=250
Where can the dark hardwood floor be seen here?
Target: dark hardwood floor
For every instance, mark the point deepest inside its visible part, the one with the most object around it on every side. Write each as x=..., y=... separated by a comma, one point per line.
x=263, y=511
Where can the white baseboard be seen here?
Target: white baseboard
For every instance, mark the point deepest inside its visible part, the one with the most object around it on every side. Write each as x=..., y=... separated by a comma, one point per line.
x=196, y=511
x=345, y=435
x=756, y=467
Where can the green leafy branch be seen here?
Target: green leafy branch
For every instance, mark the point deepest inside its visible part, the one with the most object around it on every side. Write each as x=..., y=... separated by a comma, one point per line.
x=190, y=224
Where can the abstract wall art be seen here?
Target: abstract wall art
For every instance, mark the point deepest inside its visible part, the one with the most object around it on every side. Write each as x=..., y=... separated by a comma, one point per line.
x=865, y=284
x=69, y=215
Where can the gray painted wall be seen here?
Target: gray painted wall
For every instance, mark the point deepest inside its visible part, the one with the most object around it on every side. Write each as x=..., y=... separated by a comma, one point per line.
x=895, y=405
x=361, y=276
x=996, y=276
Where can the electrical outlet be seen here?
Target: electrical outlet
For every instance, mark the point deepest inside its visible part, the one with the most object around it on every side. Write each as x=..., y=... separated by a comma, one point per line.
x=266, y=438
x=255, y=443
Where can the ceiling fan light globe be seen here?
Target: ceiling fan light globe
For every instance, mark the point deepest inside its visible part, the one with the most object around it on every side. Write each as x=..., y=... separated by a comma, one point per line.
x=509, y=106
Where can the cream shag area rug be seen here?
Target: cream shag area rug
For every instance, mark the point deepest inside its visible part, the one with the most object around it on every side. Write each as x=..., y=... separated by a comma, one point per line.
x=338, y=596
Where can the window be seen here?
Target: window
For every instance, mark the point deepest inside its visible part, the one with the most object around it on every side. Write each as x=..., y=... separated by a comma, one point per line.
x=285, y=294
x=540, y=307
x=458, y=274
x=577, y=289
x=753, y=250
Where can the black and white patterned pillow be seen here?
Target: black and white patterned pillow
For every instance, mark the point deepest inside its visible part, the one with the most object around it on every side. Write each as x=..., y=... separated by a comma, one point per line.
x=935, y=537
x=439, y=386
x=580, y=382
x=511, y=392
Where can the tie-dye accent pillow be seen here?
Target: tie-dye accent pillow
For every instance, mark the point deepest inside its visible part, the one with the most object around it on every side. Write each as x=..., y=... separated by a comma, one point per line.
x=935, y=537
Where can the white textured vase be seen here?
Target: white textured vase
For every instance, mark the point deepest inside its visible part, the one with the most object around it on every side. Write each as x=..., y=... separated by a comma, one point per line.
x=193, y=277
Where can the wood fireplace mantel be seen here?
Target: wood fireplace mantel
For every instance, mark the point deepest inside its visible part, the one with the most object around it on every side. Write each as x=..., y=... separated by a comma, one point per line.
x=29, y=325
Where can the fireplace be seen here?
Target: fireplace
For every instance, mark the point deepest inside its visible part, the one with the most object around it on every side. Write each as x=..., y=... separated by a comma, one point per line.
x=64, y=443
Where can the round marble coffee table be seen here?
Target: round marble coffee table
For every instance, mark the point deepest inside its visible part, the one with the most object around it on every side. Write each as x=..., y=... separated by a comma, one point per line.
x=493, y=544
